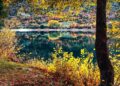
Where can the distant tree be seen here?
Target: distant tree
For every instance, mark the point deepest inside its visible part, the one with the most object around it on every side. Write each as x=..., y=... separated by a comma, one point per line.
x=105, y=66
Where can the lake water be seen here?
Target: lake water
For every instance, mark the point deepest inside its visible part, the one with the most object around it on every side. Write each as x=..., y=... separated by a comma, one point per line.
x=38, y=44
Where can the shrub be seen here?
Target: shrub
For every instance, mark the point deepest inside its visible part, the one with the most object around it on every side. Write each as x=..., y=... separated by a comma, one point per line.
x=116, y=65
x=74, y=25
x=7, y=44
x=11, y=23
x=68, y=70
x=54, y=24
x=78, y=71
x=114, y=40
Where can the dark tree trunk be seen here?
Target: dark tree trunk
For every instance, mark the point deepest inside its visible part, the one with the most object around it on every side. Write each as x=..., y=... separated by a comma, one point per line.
x=106, y=69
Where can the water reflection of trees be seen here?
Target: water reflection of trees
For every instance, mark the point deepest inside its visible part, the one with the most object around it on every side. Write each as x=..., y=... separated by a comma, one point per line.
x=39, y=45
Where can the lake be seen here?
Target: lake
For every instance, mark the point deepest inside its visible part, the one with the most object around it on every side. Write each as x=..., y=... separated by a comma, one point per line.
x=40, y=43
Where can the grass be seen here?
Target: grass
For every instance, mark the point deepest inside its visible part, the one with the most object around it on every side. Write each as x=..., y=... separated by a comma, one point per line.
x=6, y=66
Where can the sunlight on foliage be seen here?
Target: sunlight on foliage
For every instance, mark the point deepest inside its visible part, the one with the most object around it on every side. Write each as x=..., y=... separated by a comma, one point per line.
x=116, y=65
x=78, y=71
x=7, y=44
x=37, y=63
x=54, y=24
x=114, y=37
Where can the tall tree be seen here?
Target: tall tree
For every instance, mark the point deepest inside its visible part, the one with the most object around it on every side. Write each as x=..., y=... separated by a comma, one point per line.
x=105, y=66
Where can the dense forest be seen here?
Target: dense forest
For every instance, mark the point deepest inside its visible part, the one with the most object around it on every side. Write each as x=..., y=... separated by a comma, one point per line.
x=59, y=42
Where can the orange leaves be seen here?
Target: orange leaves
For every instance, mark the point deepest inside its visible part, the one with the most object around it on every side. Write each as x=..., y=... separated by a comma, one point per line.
x=7, y=2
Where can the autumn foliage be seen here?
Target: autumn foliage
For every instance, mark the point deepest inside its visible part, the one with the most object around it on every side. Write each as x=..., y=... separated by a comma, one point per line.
x=7, y=44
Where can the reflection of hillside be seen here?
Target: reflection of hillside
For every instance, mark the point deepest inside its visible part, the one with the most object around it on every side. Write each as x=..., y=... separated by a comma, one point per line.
x=38, y=44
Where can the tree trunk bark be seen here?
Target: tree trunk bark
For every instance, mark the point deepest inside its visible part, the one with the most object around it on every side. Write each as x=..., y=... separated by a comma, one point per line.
x=104, y=64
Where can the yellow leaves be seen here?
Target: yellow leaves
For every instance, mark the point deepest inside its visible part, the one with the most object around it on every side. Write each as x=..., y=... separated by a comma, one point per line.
x=114, y=31
x=42, y=1
x=51, y=67
x=115, y=24
x=82, y=51
x=7, y=2
x=7, y=43
x=66, y=55
x=57, y=4
x=54, y=24
x=116, y=0
x=116, y=65
x=74, y=68
x=69, y=67
x=109, y=6
x=37, y=64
